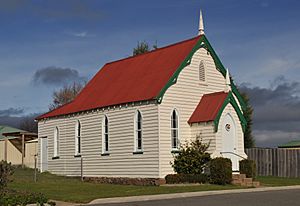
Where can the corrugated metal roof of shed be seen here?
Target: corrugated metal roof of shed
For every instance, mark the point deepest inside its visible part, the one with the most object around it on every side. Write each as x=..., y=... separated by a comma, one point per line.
x=291, y=144
x=7, y=129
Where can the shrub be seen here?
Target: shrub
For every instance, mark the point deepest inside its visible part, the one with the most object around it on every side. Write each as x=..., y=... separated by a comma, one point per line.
x=248, y=167
x=6, y=171
x=186, y=178
x=192, y=158
x=220, y=171
x=12, y=198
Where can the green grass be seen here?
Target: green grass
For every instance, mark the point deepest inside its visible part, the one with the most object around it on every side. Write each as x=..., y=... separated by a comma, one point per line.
x=73, y=190
x=271, y=181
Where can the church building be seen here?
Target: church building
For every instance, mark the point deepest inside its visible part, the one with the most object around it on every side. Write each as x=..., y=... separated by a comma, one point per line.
x=132, y=116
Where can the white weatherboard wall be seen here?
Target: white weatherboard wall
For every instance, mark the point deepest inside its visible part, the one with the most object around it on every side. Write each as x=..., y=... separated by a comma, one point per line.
x=185, y=96
x=121, y=162
x=205, y=130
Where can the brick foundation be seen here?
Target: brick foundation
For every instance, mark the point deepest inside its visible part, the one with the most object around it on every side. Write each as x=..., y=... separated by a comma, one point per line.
x=126, y=181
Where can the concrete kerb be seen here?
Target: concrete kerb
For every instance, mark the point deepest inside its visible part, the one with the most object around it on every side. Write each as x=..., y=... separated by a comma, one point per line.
x=186, y=194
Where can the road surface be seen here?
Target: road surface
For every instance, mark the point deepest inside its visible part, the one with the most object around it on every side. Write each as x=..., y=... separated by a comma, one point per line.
x=270, y=198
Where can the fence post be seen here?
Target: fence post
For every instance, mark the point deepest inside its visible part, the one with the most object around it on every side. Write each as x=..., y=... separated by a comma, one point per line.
x=35, y=163
x=81, y=168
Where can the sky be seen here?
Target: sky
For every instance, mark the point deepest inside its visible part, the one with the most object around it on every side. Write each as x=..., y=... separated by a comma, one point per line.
x=47, y=44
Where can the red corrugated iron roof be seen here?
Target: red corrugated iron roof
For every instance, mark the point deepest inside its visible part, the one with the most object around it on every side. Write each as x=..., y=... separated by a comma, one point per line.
x=208, y=107
x=132, y=79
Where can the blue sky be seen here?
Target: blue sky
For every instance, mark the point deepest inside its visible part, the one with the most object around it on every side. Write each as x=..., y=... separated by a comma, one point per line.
x=257, y=40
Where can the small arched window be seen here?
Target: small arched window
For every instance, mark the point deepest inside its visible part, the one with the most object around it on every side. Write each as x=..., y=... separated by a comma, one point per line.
x=174, y=130
x=56, y=142
x=138, y=142
x=78, y=138
x=202, y=71
x=105, y=140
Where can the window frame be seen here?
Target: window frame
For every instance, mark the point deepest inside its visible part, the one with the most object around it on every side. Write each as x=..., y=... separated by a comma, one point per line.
x=204, y=71
x=56, y=142
x=138, y=131
x=105, y=135
x=78, y=142
x=176, y=148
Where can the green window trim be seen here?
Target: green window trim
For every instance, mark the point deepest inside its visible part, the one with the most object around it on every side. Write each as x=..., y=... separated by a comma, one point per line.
x=202, y=43
x=230, y=100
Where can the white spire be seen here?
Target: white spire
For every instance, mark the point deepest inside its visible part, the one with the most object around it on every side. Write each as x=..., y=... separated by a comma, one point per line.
x=227, y=83
x=201, y=25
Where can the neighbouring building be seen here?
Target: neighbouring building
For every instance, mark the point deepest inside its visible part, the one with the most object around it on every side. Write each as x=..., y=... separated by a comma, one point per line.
x=295, y=144
x=11, y=146
x=130, y=119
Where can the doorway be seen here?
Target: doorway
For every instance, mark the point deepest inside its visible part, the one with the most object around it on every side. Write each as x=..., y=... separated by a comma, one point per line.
x=44, y=154
x=229, y=141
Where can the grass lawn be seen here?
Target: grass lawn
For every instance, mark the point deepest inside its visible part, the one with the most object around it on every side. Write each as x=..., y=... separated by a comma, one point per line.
x=278, y=181
x=73, y=190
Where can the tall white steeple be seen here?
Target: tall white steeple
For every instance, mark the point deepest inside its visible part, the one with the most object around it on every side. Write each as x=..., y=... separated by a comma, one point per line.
x=227, y=82
x=201, y=25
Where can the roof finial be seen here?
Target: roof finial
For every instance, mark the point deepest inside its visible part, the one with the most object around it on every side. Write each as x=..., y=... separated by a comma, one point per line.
x=227, y=83
x=201, y=25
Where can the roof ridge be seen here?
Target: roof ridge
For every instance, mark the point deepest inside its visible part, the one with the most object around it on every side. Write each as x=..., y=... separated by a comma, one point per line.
x=155, y=50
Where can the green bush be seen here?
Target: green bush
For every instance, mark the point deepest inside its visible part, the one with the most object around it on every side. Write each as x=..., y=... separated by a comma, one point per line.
x=186, y=178
x=13, y=198
x=6, y=171
x=248, y=167
x=220, y=171
x=192, y=158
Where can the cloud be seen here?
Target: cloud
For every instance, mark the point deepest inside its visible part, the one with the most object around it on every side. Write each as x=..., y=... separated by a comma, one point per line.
x=16, y=121
x=11, y=112
x=56, y=76
x=82, y=34
x=276, y=110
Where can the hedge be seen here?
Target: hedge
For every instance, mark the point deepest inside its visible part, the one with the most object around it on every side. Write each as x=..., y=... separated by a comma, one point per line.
x=220, y=171
x=248, y=167
x=186, y=178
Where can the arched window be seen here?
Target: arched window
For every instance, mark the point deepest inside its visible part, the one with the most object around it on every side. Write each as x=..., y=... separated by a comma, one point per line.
x=56, y=142
x=78, y=138
x=105, y=140
x=202, y=71
x=174, y=130
x=138, y=141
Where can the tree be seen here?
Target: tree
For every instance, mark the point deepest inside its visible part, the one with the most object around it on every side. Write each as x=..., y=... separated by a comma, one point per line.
x=28, y=124
x=143, y=47
x=248, y=112
x=192, y=158
x=65, y=94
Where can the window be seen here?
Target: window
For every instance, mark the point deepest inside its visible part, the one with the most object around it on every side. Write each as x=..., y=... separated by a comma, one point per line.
x=202, y=71
x=105, y=146
x=56, y=142
x=78, y=138
x=138, y=143
x=174, y=130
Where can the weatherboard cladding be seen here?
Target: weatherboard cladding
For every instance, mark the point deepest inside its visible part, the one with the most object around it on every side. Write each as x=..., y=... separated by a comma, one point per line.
x=133, y=79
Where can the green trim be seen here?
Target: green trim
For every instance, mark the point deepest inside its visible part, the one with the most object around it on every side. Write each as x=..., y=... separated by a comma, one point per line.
x=185, y=63
x=221, y=68
x=230, y=100
x=202, y=43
